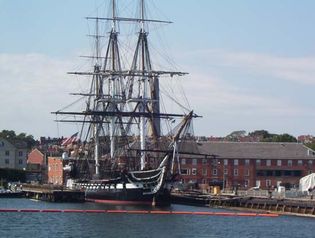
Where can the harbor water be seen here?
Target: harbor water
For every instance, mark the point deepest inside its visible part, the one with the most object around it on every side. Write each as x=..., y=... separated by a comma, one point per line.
x=17, y=224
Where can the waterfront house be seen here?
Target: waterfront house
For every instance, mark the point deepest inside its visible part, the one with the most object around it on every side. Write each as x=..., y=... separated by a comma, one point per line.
x=13, y=155
x=37, y=166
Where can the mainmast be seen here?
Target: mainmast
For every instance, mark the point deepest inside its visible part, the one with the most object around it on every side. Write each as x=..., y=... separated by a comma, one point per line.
x=98, y=93
x=148, y=88
x=143, y=81
x=113, y=48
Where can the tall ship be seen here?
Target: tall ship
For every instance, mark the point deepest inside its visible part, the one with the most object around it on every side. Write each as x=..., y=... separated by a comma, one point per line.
x=129, y=147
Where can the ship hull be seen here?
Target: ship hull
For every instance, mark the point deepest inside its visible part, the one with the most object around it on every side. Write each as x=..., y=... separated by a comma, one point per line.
x=128, y=197
x=138, y=187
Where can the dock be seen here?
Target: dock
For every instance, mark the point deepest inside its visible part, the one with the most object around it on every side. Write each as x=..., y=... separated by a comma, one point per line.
x=52, y=193
x=288, y=206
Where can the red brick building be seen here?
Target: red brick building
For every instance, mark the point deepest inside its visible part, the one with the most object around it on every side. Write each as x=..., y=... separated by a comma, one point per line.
x=248, y=165
x=37, y=166
x=56, y=174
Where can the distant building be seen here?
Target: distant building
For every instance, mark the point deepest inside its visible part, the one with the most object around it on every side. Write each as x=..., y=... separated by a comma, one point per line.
x=246, y=165
x=306, y=139
x=56, y=174
x=37, y=166
x=232, y=164
x=13, y=155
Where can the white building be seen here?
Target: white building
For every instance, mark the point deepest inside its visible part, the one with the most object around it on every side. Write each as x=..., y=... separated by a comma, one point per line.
x=13, y=156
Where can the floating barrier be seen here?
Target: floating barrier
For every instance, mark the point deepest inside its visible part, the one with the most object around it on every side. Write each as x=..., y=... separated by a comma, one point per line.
x=157, y=212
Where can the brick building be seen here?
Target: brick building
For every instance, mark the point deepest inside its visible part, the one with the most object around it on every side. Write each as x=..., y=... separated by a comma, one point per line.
x=37, y=166
x=248, y=165
x=56, y=173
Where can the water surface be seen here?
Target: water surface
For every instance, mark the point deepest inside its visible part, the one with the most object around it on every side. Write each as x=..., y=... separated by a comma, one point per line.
x=35, y=225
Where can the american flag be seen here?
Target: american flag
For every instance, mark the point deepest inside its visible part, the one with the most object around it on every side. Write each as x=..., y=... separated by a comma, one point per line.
x=69, y=140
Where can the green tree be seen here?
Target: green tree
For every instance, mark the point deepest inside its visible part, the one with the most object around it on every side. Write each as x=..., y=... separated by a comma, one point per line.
x=311, y=145
x=284, y=138
x=22, y=137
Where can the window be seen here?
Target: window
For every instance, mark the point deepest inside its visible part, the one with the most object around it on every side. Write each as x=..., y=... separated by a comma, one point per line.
x=185, y=171
x=247, y=162
x=258, y=162
x=20, y=161
x=7, y=153
x=247, y=172
x=215, y=172
x=268, y=183
x=279, y=162
x=290, y=163
x=235, y=172
x=236, y=162
x=204, y=181
x=183, y=161
x=226, y=162
x=310, y=162
x=225, y=171
x=194, y=161
x=7, y=161
x=268, y=162
x=20, y=153
x=204, y=171
x=300, y=162
x=194, y=171
x=204, y=161
x=1, y=144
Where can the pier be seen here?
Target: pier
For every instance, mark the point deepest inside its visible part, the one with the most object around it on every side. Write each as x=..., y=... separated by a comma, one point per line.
x=52, y=193
x=288, y=206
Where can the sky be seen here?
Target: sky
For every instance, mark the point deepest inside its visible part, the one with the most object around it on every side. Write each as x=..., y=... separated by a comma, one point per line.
x=251, y=63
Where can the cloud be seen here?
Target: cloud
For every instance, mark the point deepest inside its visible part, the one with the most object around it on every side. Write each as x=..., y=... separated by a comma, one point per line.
x=32, y=86
x=241, y=90
x=209, y=92
x=295, y=69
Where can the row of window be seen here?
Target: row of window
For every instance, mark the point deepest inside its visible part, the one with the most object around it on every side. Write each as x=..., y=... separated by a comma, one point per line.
x=7, y=161
x=55, y=167
x=246, y=162
x=7, y=153
x=214, y=172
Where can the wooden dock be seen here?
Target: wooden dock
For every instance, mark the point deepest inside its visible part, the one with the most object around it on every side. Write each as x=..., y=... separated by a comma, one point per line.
x=300, y=207
x=52, y=193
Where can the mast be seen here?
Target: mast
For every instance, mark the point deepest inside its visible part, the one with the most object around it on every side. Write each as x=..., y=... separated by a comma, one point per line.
x=113, y=36
x=97, y=81
x=142, y=105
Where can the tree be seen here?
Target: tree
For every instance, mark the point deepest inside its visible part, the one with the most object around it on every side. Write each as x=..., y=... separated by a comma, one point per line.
x=22, y=137
x=263, y=134
x=9, y=135
x=311, y=145
x=284, y=138
x=235, y=135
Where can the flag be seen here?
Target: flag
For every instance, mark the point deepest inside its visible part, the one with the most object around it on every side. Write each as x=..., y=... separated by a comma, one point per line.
x=69, y=140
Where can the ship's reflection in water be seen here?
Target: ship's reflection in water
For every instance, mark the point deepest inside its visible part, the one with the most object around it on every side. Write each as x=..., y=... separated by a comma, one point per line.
x=141, y=225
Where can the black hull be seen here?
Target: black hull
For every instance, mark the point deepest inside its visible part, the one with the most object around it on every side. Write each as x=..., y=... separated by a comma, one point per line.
x=129, y=196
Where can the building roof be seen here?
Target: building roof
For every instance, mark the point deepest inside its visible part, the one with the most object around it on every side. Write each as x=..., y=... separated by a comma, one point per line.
x=257, y=150
x=15, y=144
